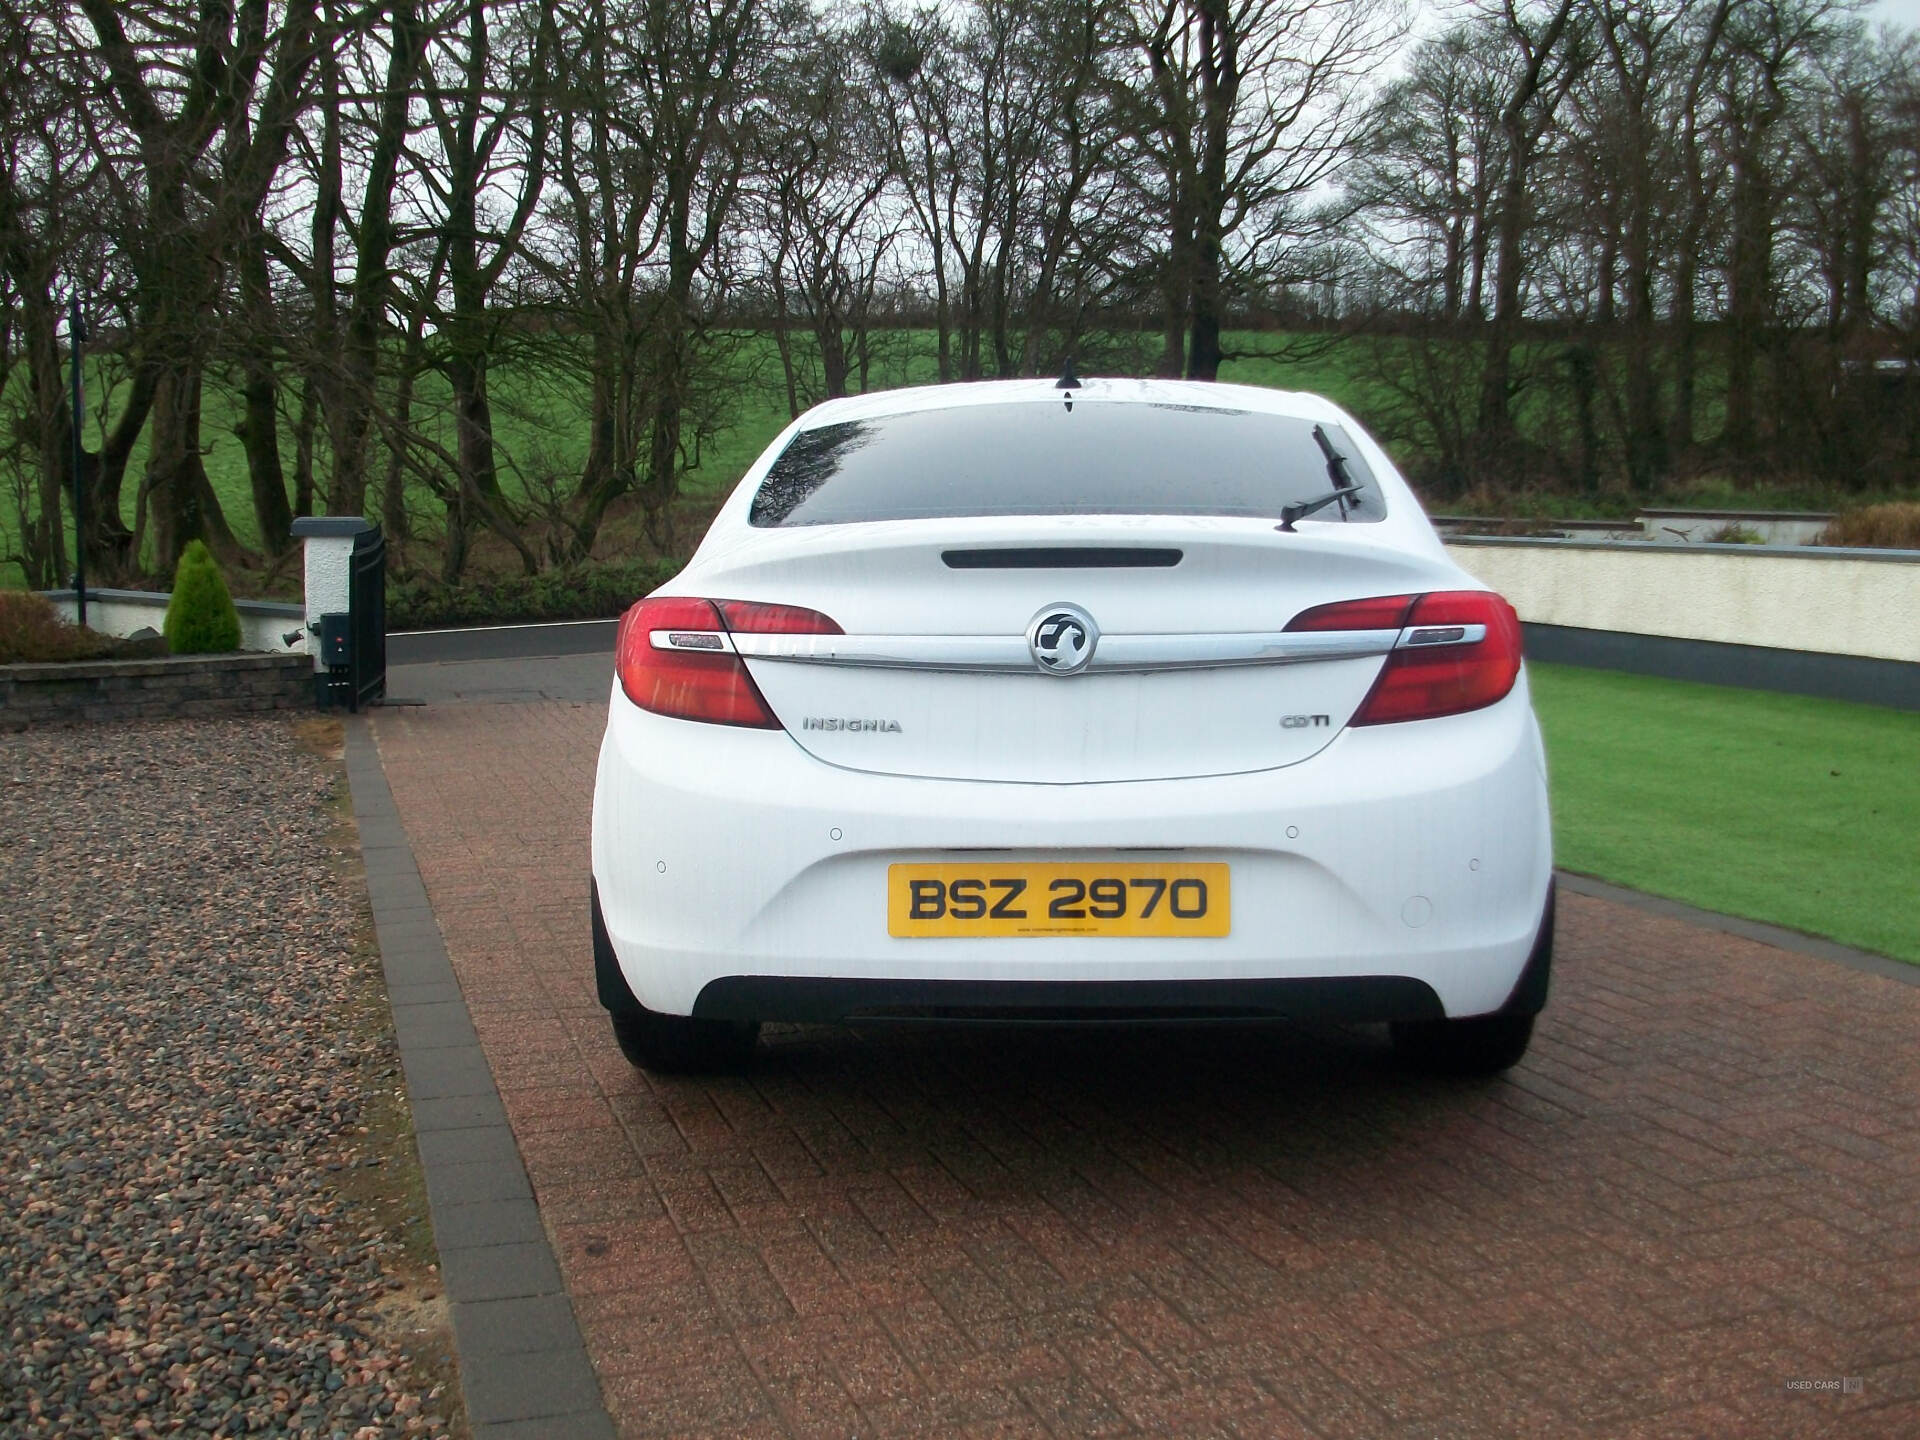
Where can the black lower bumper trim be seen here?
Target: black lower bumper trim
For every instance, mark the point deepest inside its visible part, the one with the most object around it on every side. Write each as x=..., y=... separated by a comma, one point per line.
x=608, y=982
x=1529, y=995
x=1353, y=1000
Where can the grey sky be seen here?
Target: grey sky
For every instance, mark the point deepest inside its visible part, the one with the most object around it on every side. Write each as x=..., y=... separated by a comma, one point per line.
x=1900, y=12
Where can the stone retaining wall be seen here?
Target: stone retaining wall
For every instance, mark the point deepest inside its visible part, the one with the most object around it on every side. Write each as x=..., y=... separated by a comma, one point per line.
x=82, y=691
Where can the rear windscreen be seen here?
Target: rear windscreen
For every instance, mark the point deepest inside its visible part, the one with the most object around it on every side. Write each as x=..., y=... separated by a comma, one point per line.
x=1097, y=458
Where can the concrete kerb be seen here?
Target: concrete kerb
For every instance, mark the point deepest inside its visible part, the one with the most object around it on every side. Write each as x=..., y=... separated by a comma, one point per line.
x=1777, y=936
x=524, y=1369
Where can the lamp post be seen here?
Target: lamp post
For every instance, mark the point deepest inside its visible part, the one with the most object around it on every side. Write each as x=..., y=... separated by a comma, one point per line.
x=76, y=337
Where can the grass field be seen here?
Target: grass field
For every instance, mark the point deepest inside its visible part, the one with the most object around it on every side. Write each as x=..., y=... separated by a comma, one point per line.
x=1796, y=811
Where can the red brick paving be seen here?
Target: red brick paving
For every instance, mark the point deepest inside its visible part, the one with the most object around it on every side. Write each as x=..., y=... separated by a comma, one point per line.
x=1703, y=1182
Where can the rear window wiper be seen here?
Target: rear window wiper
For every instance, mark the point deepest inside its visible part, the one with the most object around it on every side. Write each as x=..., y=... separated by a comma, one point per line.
x=1345, y=486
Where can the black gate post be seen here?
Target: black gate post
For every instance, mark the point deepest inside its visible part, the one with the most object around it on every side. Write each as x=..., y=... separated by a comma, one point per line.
x=368, y=609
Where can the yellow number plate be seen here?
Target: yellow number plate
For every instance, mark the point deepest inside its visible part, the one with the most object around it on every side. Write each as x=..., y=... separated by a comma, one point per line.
x=1098, y=898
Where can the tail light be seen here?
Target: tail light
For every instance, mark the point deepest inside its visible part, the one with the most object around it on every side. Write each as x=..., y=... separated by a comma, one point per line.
x=674, y=657
x=1384, y=612
x=1459, y=650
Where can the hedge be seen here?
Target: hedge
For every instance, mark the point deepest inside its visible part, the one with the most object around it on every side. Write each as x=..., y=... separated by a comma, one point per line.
x=580, y=592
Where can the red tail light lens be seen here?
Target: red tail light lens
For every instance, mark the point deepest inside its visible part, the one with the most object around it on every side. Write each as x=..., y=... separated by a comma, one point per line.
x=694, y=678
x=745, y=617
x=1422, y=682
x=1384, y=612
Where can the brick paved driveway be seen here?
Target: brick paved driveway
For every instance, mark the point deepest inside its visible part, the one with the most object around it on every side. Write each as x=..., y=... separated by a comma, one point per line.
x=1702, y=1184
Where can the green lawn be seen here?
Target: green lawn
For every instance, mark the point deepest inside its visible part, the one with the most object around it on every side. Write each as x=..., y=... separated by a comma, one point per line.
x=1791, y=810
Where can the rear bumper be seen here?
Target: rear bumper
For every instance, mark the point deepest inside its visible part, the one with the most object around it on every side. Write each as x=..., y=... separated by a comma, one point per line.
x=1360, y=1000
x=1402, y=873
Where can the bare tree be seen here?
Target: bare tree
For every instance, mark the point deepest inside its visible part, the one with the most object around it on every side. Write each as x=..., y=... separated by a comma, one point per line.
x=1548, y=60
x=359, y=125
x=1769, y=41
x=201, y=100
x=1430, y=164
x=35, y=195
x=823, y=187
x=1846, y=163
x=485, y=87
x=1243, y=109
x=1699, y=192
x=917, y=58
x=660, y=104
x=1644, y=43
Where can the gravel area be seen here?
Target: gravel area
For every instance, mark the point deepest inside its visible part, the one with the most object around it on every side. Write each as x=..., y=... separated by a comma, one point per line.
x=193, y=1068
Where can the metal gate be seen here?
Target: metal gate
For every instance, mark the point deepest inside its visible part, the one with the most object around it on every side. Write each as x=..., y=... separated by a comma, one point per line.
x=367, y=609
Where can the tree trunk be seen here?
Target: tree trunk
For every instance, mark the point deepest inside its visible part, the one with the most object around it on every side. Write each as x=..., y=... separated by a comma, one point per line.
x=834, y=367
x=1496, y=379
x=46, y=545
x=394, y=518
x=455, y=541
x=45, y=540
x=1861, y=216
x=110, y=548
x=1453, y=272
x=1495, y=419
x=1747, y=301
x=1685, y=358
x=1608, y=280
x=184, y=505
x=663, y=468
x=259, y=424
x=942, y=317
x=1203, y=346
x=1680, y=424
x=351, y=398
x=303, y=449
x=782, y=329
x=603, y=396
x=1581, y=365
x=1646, y=436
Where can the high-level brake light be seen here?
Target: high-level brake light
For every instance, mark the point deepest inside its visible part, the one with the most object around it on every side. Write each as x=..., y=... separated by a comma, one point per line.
x=673, y=657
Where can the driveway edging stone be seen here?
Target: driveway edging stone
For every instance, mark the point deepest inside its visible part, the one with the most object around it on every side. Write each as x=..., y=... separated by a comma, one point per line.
x=1778, y=936
x=524, y=1370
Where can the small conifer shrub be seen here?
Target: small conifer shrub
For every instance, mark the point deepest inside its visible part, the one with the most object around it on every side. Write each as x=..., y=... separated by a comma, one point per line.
x=201, y=619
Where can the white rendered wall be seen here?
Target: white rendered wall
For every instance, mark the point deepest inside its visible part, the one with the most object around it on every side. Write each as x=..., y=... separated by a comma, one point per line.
x=1838, y=602
x=123, y=612
x=329, y=581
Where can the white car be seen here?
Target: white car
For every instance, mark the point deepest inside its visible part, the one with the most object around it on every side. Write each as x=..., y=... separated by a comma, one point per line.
x=1078, y=699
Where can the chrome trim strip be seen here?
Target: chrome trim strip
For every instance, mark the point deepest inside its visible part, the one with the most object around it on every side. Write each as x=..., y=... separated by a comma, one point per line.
x=1115, y=652
x=1275, y=647
x=921, y=652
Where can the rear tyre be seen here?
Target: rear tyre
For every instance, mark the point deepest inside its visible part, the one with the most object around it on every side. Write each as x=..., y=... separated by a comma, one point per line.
x=680, y=1044
x=1479, y=1045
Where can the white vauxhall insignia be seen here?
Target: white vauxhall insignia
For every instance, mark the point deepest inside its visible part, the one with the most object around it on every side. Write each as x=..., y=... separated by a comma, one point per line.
x=1130, y=699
